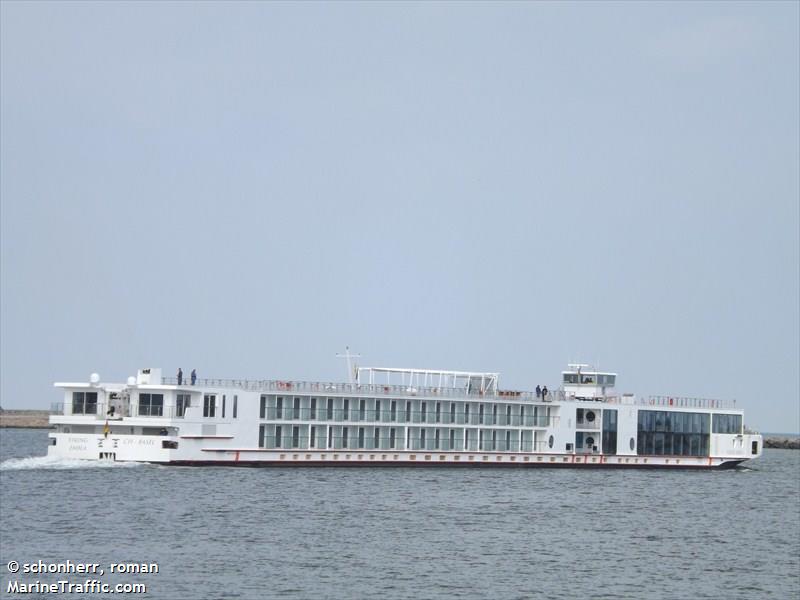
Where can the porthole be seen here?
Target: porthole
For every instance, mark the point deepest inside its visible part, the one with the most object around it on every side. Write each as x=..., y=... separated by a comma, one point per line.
x=550, y=441
x=633, y=443
x=590, y=417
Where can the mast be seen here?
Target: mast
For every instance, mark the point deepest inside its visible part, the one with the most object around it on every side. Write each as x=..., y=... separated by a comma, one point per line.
x=352, y=372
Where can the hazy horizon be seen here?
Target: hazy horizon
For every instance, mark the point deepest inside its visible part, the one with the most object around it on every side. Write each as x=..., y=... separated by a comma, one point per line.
x=247, y=188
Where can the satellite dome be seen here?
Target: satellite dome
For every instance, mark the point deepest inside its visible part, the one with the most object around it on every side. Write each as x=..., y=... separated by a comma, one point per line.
x=94, y=378
x=131, y=380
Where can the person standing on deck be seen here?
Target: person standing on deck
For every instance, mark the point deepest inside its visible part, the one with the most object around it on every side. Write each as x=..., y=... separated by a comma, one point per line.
x=544, y=392
x=194, y=376
x=538, y=391
x=180, y=376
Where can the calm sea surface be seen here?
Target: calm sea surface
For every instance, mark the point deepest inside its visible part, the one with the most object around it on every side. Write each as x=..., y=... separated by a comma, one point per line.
x=407, y=533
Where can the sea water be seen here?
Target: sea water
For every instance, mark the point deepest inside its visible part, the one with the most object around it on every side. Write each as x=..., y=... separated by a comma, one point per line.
x=405, y=532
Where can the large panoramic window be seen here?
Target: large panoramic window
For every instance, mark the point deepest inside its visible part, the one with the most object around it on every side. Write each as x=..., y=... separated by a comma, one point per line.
x=665, y=433
x=84, y=403
x=151, y=405
x=727, y=424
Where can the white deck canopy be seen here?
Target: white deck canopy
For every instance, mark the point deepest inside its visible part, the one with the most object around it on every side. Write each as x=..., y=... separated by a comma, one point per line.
x=468, y=380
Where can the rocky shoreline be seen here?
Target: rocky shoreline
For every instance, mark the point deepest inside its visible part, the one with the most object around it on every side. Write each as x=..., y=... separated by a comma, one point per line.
x=38, y=419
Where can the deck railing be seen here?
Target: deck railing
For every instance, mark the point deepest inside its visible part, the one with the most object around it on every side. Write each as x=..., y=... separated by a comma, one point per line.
x=685, y=402
x=362, y=389
x=558, y=395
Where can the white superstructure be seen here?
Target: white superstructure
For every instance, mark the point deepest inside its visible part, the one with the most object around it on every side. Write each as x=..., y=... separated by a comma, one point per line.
x=388, y=416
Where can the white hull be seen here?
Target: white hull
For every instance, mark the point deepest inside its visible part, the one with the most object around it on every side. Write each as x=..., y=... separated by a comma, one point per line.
x=274, y=423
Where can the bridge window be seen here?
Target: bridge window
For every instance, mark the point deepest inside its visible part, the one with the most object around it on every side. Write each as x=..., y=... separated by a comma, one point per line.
x=209, y=405
x=151, y=405
x=182, y=403
x=84, y=403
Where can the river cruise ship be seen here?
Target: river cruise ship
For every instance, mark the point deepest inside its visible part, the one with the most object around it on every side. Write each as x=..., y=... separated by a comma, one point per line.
x=388, y=416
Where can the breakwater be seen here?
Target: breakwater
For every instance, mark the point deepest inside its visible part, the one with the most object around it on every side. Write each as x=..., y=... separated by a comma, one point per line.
x=24, y=419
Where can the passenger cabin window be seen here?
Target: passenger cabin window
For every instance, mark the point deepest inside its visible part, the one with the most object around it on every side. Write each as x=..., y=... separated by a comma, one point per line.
x=223, y=405
x=235, y=406
x=296, y=411
x=209, y=405
x=313, y=438
x=263, y=412
x=277, y=436
x=84, y=403
x=313, y=412
x=279, y=408
x=329, y=411
x=151, y=405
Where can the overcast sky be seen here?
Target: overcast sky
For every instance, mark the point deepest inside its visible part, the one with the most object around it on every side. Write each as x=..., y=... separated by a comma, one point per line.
x=245, y=189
